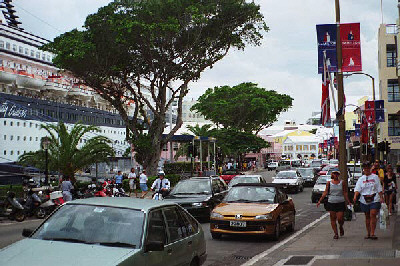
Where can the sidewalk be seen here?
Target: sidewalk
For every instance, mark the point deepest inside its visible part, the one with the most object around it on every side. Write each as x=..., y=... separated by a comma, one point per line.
x=317, y=247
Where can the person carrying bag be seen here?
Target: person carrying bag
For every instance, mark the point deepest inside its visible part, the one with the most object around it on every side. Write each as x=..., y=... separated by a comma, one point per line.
x=369, y=190
x=336, y=204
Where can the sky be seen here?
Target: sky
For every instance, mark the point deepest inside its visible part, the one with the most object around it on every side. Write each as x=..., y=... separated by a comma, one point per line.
x=285, y=62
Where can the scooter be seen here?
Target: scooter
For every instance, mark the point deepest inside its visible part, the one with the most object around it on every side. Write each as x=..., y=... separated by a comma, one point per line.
x=55, y=200
x=158, y=194
x=32, y=204
x=11, y=208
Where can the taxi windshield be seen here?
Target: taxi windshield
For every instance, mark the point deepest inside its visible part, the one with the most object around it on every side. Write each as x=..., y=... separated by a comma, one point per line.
x=243, y=179
x=251, y=194
x=192, y=186
x=306, y=171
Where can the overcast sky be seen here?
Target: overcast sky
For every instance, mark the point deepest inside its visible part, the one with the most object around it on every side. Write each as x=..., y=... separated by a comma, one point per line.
x=286, y=61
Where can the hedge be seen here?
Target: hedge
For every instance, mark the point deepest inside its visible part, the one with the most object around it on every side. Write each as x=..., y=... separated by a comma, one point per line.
x=15, y=188
x=181, y=167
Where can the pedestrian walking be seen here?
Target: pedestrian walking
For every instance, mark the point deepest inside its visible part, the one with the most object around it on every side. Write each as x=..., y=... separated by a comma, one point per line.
x=143, y=184
x=369, y=188
x=118, y=179
x=390, y=188
x=132, y=182
x=66, y=187
x=337, y=193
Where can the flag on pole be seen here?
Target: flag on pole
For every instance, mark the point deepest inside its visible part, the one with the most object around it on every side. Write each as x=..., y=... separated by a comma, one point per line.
x=325, y=103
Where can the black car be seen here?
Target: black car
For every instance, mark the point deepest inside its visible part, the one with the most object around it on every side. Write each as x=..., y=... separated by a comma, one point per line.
x=308, y=175
x=199, y=195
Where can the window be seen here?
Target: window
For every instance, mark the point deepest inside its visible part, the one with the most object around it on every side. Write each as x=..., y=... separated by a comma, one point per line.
x=24, y=138
x=48, y=58
x=11, y=137
x=26, y=51
x=5, y=137
x=18, y=137
x=11, y=152
x=299, y=147
x=190, y=223
x=165, y=147
x=38, y=55
x=30, y=138
x=393, y=90
x=8, y=46
x=394, y=125
x=30, y=124
x=11, y=124
x=17, y=124
x=2, y=44
x=313, y=147
x=156, y=229
x=14, y=47
x=5, y=152
x=305, y=147
x=21, y=49
x=176, y=146
x=32, y=53
x=24, y=124
x=175, y=225
x=37, y=139
x=43, y=57
x=17, y=152
x=5, y=123
x=391, y=55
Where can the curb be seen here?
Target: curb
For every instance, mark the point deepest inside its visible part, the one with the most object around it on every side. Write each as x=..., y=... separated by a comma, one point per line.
x=396, y=232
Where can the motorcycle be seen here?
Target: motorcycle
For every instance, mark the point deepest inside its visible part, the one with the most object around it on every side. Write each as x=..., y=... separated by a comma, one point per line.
x=11, y=208
x=54, y=200
x=159, y=194
x=32, y=203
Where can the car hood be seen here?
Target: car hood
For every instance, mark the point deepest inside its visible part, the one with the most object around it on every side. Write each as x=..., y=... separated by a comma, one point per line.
x=284, y=181
x=245, y=209
x=187, y=198
x=320, y=187
x=44, y=252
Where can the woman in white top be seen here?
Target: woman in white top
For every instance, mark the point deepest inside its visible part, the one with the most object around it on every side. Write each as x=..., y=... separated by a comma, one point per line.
x=132, y=182
x=370, y=188
x=143, y=183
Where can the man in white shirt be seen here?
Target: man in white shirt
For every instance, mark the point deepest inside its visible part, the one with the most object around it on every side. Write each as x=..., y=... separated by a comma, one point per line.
x=143, y=183
x=161, y=183
x=369, y=189
x=132, y=182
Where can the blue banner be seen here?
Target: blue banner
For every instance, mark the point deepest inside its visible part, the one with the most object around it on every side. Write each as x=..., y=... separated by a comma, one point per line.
x=326, y=37
x=358, y=129
x=379, y=111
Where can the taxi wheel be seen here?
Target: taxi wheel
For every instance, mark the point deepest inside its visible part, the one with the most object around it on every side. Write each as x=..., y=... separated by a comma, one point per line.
x=216, y=235
x=277, y=232
x=292, y=225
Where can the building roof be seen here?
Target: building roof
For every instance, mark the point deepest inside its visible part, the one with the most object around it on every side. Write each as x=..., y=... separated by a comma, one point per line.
x=301, y=139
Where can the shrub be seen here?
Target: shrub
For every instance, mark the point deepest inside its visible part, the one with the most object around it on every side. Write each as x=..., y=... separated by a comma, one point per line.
x=181, y=167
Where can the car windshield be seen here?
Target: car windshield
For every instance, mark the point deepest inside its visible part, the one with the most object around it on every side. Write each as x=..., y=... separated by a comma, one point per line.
x=286, y=175
x=251, y=194
x=334, y=161
x=284, y=163
x=244, y=179
x=322, y=180
x=316, y=163
x=192, y=186
x=353, y=169
x=90, y=224
x=305, y=171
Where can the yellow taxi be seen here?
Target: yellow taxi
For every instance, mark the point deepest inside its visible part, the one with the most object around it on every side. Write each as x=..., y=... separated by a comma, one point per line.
x=253, y=209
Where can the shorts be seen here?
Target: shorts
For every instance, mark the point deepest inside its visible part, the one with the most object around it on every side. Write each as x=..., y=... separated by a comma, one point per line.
x=143, y=187
x=368, y=207
x=336, y=207
x=389, y=192
x=132, y=184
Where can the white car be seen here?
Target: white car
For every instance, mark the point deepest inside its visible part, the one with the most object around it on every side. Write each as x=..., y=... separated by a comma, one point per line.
x=272, y=166
x=319, y=187
x=290, y=180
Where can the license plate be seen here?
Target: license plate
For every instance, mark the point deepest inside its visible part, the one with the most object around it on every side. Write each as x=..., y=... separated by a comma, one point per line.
x=237, y=224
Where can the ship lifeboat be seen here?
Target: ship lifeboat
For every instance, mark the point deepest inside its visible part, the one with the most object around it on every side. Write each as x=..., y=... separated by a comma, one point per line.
x=29, y=81
x=7, y=75
x=56, y=87
x=98, y=98
x=79, y=92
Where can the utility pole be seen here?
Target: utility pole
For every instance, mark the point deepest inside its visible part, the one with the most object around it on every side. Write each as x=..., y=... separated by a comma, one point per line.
x=342, y=122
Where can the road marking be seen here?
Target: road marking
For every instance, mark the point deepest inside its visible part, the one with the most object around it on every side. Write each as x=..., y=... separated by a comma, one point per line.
x=318, y=257
x=11, y=223
x=278, y=245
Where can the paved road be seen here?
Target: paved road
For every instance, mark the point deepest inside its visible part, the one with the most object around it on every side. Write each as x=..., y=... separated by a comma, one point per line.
x=229, y=250
x=235, y=250
x=11, y=231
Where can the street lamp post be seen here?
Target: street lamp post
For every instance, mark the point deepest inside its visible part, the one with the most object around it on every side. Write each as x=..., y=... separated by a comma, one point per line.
x=373, y=98
x=46, y=144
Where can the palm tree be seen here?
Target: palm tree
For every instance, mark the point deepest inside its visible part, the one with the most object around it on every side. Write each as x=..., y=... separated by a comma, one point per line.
x=65, y=155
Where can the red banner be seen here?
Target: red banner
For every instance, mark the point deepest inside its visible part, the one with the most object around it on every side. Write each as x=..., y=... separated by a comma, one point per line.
x=351, y=47
x=370, y=111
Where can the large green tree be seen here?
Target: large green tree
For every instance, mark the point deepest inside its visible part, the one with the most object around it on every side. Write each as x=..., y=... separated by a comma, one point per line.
x=244, y=107
x=64, y=152
x=144, y=50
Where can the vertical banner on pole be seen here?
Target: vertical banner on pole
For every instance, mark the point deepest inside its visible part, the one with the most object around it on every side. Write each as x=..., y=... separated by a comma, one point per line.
x=357, y=129
x=379, y=111
x=370, y=111
x=351, y=47
x=326, y=37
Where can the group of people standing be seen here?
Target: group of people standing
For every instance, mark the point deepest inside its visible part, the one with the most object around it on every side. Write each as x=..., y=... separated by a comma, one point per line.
x=377, y=185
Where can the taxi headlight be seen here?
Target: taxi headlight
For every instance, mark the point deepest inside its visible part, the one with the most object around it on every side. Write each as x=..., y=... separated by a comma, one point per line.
x=216, y=215
x=264, y=216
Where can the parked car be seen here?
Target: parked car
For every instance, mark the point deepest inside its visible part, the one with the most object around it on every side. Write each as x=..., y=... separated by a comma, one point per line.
x=272, y=166
x=288, y=165
x=227, y=175
x=198, y=195
x=319, y=188
x=111, y=231
x=253, y=209
x=257, y=179
x=308, y=175
x=325, y=169
x=289, y=180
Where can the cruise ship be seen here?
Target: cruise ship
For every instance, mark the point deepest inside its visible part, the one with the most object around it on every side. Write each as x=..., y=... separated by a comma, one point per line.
x=34, y=92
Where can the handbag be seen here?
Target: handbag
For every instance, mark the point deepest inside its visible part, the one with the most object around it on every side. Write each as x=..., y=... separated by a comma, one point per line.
x=326, y=197
x=369, y=198
x=348, y=214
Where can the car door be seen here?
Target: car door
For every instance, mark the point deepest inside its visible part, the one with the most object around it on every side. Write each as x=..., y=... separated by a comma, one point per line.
x=156, y=231
x=179, y=247
x=284, y=207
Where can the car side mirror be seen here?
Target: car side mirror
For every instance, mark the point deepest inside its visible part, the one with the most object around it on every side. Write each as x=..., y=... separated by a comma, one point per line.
x=27, y=232
x=154, y=246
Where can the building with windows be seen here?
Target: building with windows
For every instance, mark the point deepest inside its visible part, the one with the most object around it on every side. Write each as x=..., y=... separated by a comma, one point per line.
x=389, y=90
x=301, y=147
